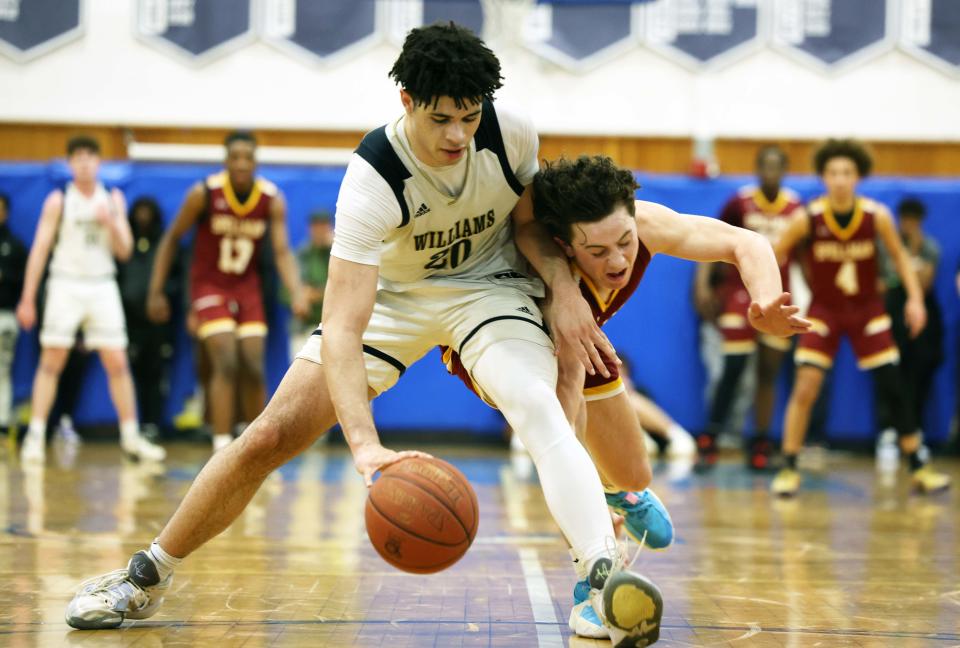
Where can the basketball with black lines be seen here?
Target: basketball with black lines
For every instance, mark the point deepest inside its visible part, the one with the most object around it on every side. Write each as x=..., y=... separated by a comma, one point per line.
x=421, y=515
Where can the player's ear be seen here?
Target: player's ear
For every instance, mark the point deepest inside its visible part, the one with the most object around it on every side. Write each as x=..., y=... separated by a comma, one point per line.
x=566, y=247
x=407, y=101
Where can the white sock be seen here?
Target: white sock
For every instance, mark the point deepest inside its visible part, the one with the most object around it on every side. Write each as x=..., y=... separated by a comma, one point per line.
x=675, y=431
x=129, y=430
x=38, y=428
x=164, y=561
x=520, y=377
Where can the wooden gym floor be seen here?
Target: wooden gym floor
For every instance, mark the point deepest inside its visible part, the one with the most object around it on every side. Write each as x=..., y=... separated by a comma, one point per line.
x=854, y=561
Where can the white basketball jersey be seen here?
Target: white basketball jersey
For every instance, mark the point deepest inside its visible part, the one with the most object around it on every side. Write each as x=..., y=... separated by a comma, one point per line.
x=83, y=243
x=444, y=239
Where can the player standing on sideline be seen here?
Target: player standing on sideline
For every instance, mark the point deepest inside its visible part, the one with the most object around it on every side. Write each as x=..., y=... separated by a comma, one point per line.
x=589, y=208
x=86, y=227
x=423, y=255
x=765, y=209
x=233, y=211
x=842, y=228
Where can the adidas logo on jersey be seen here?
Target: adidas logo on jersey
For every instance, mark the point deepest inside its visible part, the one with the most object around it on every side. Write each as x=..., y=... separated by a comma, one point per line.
x=524, y=309
x=421, y=210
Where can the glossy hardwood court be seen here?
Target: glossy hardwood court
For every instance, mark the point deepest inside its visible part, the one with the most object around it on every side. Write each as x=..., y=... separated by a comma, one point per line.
x=854, y=561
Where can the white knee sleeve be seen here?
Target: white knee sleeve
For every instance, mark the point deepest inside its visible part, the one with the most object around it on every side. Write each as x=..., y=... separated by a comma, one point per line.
x=520, y=377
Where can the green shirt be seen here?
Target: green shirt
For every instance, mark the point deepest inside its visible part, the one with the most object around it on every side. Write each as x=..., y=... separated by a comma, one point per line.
x=314, y=263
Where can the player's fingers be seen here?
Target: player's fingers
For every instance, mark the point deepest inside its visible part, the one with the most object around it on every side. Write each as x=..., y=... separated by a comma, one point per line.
x=783, y=299
x=597, y=360
x=789, y=310
x=755, y=310
x=602, y=342
x=368, y=477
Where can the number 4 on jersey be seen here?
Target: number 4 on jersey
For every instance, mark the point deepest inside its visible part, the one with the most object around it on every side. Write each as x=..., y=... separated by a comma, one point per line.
x=846, y=279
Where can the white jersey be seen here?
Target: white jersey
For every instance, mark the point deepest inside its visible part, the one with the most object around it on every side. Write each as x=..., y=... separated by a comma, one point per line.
x=82, y=249
x=426, y=226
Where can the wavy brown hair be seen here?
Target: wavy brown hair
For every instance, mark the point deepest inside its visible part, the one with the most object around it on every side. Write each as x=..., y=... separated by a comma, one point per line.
x=587, y=189
x=846, y=148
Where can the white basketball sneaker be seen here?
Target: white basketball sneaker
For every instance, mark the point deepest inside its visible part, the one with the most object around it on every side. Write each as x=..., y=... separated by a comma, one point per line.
x=34, y=449
x=104, y=602
x=139, y=447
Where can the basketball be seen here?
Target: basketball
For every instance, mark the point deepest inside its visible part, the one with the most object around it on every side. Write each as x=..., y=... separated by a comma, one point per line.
x=421, y=515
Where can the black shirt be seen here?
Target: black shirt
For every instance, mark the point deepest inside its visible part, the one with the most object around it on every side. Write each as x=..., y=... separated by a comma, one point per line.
x=13, y=263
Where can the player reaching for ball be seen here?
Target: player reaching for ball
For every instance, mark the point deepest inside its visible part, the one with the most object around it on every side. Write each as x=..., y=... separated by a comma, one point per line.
x=424, y=254
x=588, y=207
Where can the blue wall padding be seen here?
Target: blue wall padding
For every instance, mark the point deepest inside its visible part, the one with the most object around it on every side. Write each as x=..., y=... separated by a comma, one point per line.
x=657, y=329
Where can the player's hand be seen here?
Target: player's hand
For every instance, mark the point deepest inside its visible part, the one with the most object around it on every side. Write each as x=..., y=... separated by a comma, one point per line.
x=778, y=317
x=915, y=315
x=26, y=314
x=300, y=303
x=572, y=325
x=158, y=308
x=103, y=214
x=368, y=459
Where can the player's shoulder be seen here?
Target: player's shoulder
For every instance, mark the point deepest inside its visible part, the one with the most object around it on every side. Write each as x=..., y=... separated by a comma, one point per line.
x=216, y=180
x=791, y=196
x=817, y=206
x=746, y=192
x=267, y=187
x=872, y=206
x=512, y=120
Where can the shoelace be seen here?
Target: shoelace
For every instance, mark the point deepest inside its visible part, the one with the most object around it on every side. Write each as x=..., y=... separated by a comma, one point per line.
x=103, y=586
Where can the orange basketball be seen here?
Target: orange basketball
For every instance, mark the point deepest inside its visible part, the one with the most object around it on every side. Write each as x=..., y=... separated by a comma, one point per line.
x=421, y=515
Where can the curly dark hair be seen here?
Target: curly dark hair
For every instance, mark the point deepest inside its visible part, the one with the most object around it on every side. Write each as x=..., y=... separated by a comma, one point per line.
x=446, y=60
x=240, y=136
x=846, y=148
x=584, y=190
x=912, y=208
x=82, y=143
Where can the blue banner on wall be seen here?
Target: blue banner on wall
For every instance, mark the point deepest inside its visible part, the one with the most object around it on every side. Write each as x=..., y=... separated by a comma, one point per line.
x=702, y=31
x=832, y=32
x=199, y=30
x=579, y=36
x=930, y=29
x=31, y=28
x=320, y=29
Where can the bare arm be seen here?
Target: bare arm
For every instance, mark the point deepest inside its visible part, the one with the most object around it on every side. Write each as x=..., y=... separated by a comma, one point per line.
x=796, y=231
x=347, y=306
x=915, y=312
x=114, y=218
x=37, y=259
x=703, y=239
x=576, y=328
x=157, y=306
x=286, y=263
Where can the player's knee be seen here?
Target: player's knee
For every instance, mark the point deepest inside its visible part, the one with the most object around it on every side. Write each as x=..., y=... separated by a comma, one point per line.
x=52, y=361
x=805, y=392
x=225, y=364
x=253, y=369
x=114, y=362
x=767, y=369
x=263, y=443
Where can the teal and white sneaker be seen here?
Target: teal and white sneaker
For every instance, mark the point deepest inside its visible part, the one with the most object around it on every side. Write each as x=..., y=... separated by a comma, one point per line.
x=106, y=601
x=628, y=605
x=646, y=518
x=584, y=620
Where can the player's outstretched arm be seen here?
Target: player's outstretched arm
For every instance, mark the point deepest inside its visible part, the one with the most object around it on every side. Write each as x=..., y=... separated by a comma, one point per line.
x=569, y=317
x=915, y=312
x=37, y=259
x=699, y=238
x=158, y=308
x=285, y=261
x=347, y=306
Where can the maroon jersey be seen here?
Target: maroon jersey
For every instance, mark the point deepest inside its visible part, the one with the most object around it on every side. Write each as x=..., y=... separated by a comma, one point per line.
x=843, y=260
x=751, y=210
x=227, y=246
x=602, y=309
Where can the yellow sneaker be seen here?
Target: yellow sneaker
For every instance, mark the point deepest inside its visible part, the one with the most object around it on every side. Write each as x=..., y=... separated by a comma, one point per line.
x=786, y=483
x=928, y=480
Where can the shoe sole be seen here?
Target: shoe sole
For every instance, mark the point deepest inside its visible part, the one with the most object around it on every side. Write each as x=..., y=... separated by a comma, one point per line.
x=633, y=604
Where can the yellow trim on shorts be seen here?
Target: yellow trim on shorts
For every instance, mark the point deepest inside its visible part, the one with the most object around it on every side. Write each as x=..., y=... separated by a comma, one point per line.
x=252, y=329
x=887, y=356
x=214, y=326
x=732, y=320
x=812, y=357
x=774, y=342
x=602, y=392
x=878, y=324
x=819, y=327
x=739, y=347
